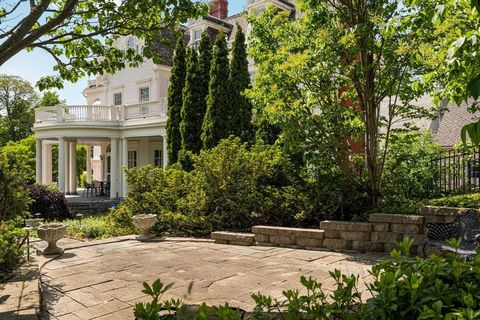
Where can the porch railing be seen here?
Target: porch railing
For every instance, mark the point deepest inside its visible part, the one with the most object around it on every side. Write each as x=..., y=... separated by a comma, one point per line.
x=457, y=171
x=92, y=113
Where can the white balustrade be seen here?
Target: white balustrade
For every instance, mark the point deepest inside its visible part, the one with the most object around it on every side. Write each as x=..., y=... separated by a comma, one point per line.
x=91, y=113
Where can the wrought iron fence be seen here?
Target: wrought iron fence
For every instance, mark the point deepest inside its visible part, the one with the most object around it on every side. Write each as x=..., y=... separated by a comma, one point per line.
x=457, y=171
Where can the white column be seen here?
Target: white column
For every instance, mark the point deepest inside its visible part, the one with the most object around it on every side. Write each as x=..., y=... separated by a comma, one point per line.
x=47, y=164
x=114, y=168
x=89, y=164
x=73, y=168
x=38, y=161
x=165, y=151
x=124, y=166
x=67, y=167
x=61, y=164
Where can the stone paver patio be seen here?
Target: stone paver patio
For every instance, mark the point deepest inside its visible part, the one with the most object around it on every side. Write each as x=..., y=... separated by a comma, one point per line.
x=104, y=281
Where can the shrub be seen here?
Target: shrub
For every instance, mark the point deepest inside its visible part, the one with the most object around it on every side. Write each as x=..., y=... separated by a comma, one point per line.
x=402, y=288
x=459, y=201
x=11, y=251
x=48, y=201
x=408, y=175
x=14, y=198
x=230, y=187
x=95, y=227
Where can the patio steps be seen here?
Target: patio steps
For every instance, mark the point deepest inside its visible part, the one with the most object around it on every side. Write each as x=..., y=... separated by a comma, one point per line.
x=93, y=207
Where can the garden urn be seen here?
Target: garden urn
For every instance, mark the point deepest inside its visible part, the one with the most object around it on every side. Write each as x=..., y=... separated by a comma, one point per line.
x=51, y=233
x=145, y=222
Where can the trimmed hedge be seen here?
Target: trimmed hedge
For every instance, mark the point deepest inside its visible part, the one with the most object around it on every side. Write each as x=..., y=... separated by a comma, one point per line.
x=458, y=201
x=48, y=201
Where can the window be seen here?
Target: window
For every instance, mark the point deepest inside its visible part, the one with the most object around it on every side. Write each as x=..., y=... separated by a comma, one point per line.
x=157, y=158
x=197, y=35
x=117, y=99
x=132, y=159
x=144, y=94
x=131, y=43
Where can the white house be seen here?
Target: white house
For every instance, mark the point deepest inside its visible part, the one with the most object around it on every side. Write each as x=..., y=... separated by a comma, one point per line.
x=123, y=122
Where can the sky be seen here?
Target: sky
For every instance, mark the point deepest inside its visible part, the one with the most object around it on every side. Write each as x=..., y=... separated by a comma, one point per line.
x=31, y=66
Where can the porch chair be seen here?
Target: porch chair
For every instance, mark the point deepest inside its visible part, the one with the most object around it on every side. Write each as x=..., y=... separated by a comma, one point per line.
x=97, y=185
x=88, y=186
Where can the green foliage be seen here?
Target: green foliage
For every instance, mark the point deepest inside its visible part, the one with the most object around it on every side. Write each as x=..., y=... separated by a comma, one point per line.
x=175, y=101
x=21, y=155
x=402, y=287
x=408, y=173
x=204, y=65
x=76, y=33
x=95, y=227
x=11, y=251
x=315, y=73
x=50, y=98
x=457, y=201
x=192, y=116
x=229, y=187
x=241, y=108
x=216, y=123
x=432, y=288
x=151, y=311
x=14, y=198
x=17, y=102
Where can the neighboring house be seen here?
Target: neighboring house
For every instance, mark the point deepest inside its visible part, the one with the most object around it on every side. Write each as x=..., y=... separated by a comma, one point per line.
x=123, y=122
x=446, y=125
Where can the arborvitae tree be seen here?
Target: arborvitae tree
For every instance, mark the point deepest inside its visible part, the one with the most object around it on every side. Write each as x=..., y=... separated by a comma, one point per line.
x=216, y=123
x=204, y=64
x=177, y=82
x=192, y=115
x=241, y=108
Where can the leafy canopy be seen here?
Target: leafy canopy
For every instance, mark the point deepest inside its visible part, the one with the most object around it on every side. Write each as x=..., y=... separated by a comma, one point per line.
x=75, y=33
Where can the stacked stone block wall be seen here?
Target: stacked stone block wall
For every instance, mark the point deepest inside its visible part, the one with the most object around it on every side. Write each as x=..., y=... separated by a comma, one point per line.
x=291, y=237
x=380, y=234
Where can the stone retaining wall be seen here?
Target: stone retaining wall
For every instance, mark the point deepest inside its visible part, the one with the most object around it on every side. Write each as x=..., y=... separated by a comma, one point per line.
x=380, y=234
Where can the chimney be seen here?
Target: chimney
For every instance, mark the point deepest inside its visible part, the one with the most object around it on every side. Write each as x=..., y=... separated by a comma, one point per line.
x=219, y=9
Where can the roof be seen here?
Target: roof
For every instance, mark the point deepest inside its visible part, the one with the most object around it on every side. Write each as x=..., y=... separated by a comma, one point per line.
x=451, y=123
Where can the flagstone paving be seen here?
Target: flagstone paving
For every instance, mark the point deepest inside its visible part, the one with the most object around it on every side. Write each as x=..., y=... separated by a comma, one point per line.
x=104, y=281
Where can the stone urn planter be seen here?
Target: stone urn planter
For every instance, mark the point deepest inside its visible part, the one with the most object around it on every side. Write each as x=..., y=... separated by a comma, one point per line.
x=144, y=222
x=51, y=233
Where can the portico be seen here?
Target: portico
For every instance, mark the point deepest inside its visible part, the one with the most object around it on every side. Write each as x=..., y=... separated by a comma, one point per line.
x=113, y=142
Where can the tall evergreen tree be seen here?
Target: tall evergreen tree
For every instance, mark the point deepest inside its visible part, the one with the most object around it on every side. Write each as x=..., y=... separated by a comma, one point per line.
x=204, y=65
x=216, y=123
x=192, y=116
x=241, y=108
x=175, y=101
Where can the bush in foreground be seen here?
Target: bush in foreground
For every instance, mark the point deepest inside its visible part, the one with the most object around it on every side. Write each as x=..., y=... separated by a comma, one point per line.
x=402, y=288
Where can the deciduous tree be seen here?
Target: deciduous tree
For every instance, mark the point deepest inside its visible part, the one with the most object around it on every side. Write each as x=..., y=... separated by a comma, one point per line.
x=323, y=78
x=17, y=103
x=76, y=32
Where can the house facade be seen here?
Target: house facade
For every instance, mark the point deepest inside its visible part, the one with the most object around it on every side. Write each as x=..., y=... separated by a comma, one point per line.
x=122, y=124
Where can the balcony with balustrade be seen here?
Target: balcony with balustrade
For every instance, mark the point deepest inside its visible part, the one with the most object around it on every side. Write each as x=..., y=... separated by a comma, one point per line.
x=100, y=115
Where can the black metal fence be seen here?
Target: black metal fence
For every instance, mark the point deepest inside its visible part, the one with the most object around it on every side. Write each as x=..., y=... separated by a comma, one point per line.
x=457, y=171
